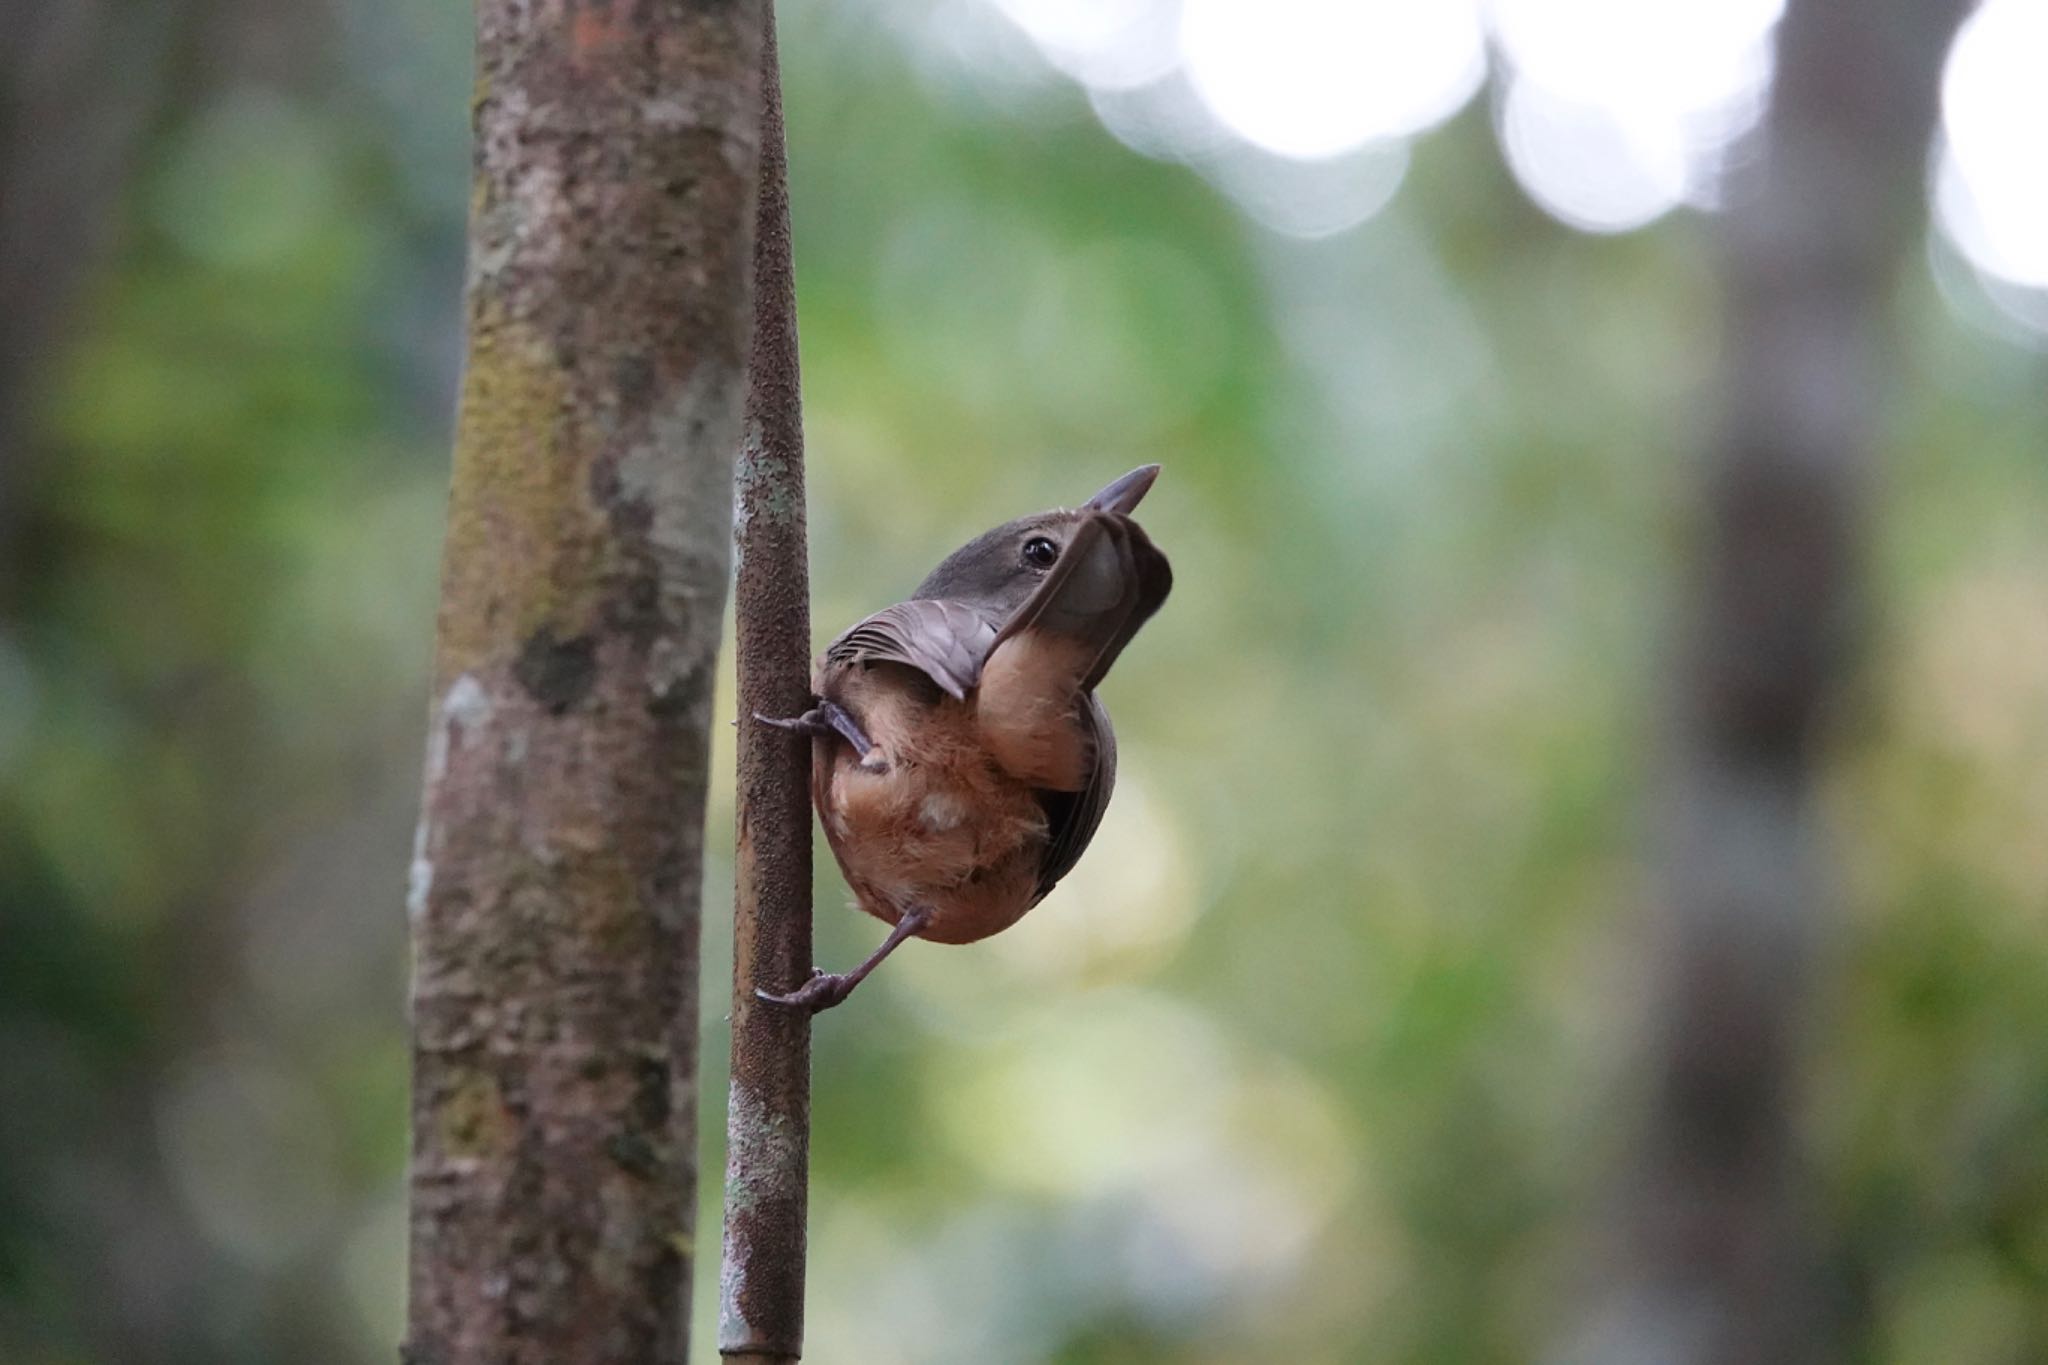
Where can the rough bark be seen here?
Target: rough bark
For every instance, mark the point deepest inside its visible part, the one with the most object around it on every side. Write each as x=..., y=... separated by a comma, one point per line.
x=761, y=1278
x=555, y=890
x=1721, y=1258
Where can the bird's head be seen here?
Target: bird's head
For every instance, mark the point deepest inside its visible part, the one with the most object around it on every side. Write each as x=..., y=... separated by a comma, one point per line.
x=998, y=570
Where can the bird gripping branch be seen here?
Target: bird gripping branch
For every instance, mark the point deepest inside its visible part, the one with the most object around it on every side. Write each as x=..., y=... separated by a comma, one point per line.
x=960, y=760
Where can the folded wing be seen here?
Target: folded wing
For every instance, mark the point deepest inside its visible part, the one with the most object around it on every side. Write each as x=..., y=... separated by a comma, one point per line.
x=1072, y=817
x=947, y=641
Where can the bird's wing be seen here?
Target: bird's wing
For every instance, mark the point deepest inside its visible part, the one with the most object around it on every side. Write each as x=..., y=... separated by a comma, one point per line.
x=1072, y=817
x=947, y=641
x=1108, y=582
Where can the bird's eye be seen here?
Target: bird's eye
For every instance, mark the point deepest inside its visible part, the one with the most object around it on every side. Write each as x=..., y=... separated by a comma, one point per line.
x=1040, y=553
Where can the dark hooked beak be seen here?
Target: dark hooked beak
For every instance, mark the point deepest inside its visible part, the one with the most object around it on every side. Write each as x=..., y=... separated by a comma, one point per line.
x=1126, y=493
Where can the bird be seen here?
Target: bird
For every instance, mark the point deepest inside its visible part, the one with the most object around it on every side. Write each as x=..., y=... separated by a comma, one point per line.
x=960, y=759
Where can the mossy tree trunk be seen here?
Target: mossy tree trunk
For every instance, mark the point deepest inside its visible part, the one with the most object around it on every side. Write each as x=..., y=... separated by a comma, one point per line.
x=555, y=891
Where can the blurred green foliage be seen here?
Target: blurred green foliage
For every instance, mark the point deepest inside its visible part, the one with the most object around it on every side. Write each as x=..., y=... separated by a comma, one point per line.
x=1324, y=1053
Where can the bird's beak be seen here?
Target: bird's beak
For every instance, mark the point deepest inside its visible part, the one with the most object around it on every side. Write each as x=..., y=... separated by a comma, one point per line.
x=1126, y=493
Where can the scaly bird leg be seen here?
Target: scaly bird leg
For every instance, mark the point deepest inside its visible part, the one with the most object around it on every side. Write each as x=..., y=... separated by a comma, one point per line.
x=826, y=989
x=826, y=718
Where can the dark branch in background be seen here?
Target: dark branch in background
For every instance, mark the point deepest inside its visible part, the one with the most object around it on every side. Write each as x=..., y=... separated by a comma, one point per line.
x=768, y=1130
x=1720, y=1256
x=79, y=85
x=87, y=90
x=556, y=884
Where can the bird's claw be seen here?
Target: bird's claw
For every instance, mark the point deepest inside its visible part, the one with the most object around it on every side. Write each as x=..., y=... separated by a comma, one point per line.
x=821, y=992
x=828, y=717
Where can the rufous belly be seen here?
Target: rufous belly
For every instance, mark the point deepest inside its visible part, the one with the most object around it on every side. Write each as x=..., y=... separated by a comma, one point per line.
x=929, y=817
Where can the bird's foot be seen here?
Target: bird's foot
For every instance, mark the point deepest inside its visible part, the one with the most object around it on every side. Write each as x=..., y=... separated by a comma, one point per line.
x=826, y=718
x=821, y=992
x=826, y=989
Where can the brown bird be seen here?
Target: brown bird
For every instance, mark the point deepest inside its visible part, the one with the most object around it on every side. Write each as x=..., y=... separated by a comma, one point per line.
x=960, y=761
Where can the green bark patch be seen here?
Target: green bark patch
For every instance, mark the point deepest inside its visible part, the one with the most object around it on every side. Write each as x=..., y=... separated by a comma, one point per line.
x=471, y=1117
x=523, y=535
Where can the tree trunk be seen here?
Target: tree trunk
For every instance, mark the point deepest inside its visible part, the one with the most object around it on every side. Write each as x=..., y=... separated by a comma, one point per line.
x=768, y=1128
x=1720, y=1258
x=555, y=891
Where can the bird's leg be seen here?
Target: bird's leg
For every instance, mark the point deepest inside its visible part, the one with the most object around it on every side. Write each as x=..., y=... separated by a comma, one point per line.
x=826, y=989
x=826, y=718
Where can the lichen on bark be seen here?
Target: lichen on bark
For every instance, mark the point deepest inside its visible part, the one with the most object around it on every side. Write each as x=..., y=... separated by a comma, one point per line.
x=555, y=878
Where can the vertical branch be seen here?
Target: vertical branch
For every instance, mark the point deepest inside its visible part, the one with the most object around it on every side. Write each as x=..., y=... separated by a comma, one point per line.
x=556, y=880
x=768, y=1129
x=1721, y=1261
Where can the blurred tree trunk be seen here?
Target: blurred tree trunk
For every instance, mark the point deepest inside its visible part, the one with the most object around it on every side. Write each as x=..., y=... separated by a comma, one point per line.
x=78, y=85
x=96, y=1241
x=1720, y=1256
x=556, y=885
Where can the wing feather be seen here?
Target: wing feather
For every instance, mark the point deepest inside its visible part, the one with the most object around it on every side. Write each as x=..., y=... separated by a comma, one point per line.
x=1073, y=817
x=947, y=641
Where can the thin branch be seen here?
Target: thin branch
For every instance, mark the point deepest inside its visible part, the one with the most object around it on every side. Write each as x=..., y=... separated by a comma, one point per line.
x=1720, y=1256
x=768, y=1129
x=555, y=904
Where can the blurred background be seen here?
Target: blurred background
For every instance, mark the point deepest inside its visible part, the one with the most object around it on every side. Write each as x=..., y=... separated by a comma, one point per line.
x=1326, y=1052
